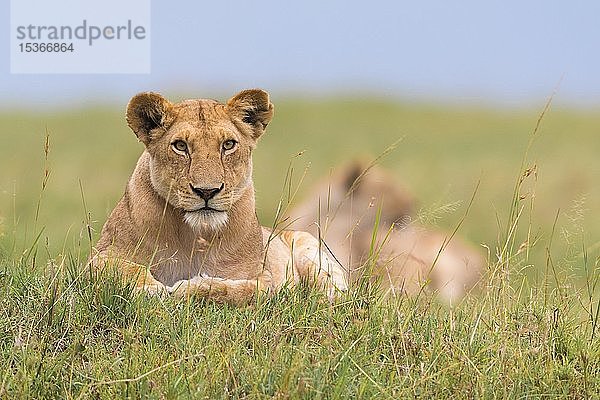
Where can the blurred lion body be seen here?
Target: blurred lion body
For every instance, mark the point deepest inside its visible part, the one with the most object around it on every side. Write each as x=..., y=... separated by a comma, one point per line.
x=187, y=222
x=343, y=211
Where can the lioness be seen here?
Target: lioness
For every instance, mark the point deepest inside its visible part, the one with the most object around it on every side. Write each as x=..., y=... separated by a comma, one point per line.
x=357, y=198
x=187, y=223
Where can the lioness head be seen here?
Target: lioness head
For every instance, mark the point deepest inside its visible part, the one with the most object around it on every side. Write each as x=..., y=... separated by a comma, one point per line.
x=367, y=186
x=351, y=197
x=200, y=150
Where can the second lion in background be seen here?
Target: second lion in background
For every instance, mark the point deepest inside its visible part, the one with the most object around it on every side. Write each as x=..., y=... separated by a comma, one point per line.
x=407, y=256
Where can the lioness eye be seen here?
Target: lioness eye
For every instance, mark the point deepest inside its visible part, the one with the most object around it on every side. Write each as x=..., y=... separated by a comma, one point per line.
x=229, y=144
x=180, y=146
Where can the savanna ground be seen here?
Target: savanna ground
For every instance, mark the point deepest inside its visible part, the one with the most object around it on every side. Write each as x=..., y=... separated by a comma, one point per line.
x=531, y=330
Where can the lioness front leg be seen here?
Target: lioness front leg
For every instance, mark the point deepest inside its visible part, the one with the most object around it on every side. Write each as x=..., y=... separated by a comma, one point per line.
x=139, y=274
x=312, y=264
x=220, y=290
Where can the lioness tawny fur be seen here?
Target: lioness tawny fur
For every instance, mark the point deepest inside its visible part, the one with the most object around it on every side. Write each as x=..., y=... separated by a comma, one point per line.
x=187, y=223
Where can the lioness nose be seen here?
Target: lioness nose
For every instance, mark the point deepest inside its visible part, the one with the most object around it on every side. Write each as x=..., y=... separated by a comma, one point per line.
x=207, y=193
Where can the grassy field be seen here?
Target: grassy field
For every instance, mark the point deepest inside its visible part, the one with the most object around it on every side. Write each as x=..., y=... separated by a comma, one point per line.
x=531, y=331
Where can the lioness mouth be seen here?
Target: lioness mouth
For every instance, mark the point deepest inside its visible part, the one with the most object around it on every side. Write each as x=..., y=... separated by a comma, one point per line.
x=204, y=210
x=208, y=209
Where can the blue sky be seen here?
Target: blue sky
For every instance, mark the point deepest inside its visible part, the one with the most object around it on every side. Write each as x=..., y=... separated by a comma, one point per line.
x=499, y=52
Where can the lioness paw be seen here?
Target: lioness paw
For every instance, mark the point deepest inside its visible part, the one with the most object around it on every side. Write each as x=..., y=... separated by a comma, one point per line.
x=199, y=285
x=330, y=276
x=153, y=289
x=335, y=287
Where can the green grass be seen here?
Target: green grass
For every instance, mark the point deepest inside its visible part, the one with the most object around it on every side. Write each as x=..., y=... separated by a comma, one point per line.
x=65, y=334
x=530, y=332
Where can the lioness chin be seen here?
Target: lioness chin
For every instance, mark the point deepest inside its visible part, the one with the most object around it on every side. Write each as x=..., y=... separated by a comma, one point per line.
x=187, y=222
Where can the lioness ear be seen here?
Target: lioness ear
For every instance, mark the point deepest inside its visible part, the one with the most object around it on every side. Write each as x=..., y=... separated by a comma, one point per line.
x=149, y=115
x=252, y=107
x=353, y=172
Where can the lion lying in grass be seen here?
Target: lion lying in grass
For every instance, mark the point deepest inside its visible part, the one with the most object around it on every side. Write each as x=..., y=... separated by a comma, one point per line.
x=187, y=223
x=342, y=210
